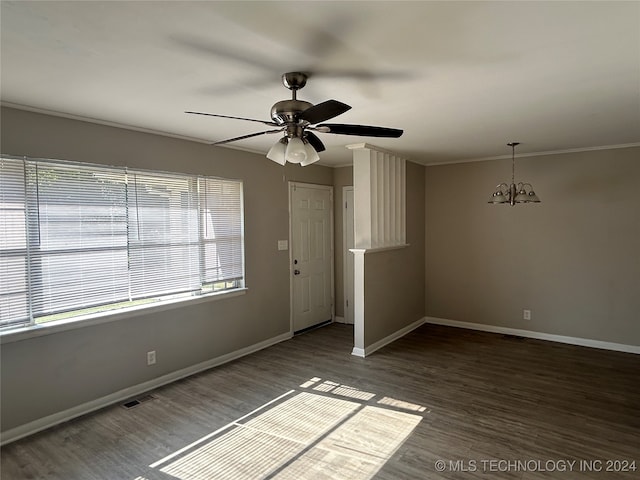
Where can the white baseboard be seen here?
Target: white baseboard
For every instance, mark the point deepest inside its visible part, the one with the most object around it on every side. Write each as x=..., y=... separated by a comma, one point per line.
x=583, y=342
x=88, y=407
x=359, y=352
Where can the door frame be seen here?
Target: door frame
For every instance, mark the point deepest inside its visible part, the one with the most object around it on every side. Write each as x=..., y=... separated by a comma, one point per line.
x=329, y=188
x=346, y=252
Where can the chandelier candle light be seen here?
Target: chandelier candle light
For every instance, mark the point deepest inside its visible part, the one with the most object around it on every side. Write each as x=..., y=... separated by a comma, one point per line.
x=514, y=193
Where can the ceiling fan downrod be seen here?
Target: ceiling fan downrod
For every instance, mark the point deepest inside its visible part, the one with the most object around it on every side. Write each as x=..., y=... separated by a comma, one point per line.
x=287, y=111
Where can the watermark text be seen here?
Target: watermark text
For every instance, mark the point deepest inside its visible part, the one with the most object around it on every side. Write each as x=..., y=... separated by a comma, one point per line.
x=536, y=465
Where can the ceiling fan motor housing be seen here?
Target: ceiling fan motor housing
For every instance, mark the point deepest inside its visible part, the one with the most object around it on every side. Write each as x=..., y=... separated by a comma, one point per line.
x=286, y=111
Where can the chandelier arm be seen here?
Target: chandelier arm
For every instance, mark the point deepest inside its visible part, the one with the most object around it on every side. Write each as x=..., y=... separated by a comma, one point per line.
x=514, y=192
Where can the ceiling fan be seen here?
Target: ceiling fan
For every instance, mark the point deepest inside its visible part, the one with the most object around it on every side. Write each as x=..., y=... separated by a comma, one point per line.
x=298, y=120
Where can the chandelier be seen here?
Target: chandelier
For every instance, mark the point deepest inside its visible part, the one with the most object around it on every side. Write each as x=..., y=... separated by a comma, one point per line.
x=514, y=192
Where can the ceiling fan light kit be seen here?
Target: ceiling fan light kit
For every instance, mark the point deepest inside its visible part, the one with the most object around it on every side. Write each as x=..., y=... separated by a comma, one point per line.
x=298, y=119
x=312, y=155
x=514, y=193
x=296, y=152
x=277, y=152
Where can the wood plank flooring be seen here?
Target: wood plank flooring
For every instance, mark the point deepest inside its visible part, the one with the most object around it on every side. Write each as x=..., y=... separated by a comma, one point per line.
x=487, y=405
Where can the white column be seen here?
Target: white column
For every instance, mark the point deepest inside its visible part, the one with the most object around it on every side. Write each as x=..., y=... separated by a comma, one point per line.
x=358, y=302
x=379, y=183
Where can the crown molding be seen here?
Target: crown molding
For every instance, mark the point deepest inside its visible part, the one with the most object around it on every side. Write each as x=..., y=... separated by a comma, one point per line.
x=539, y=154
x=106, y=123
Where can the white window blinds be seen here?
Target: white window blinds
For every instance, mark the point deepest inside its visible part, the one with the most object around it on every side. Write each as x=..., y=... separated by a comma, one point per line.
x=13, y=243
x=164, y=243
x=77, y=239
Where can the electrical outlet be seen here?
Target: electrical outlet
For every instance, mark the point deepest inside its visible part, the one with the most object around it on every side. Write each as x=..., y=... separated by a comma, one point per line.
x=151, y=357
x=526, y=314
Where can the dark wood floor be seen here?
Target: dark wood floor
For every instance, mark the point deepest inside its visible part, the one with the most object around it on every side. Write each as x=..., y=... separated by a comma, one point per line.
x=487, y=405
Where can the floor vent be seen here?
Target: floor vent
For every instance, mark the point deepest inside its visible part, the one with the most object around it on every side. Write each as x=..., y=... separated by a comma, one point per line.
x=137, y=401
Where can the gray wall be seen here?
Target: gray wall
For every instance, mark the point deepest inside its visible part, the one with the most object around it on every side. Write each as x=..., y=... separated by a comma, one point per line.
x=52, y=373
x=573, y=260
x=395, y=279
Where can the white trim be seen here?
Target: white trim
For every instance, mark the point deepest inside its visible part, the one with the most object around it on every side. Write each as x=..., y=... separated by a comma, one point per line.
x=290, y=212
x=338, y=165
x=49, y=328
x=97, y=121
x=583, y=342
x=124, y=126
x=379, y=249
x=329, y=188
x=393, y=337
x=358, y=352
x=537, y=154
x=317, y=186
x=355, y=146
x=358, y=301
x=345, y=251
x=368, y=146
x=59, y=417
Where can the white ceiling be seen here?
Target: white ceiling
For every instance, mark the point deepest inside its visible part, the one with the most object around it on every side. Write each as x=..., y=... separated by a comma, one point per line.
x=461, y=78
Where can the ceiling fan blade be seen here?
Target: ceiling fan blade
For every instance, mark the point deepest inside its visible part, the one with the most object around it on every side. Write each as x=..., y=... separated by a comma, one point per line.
x=225, y=51
x=247, y=136
x=264, y=122
x=315, y=142
x=324, y=111
x=360, y=130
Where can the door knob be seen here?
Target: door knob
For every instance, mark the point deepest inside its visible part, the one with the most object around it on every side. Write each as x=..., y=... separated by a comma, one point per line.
x=296, y=272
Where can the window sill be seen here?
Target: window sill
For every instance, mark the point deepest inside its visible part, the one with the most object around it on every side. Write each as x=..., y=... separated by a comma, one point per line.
x=32, y=331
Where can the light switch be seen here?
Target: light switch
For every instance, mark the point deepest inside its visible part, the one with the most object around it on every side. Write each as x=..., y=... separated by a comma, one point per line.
x=283, y=244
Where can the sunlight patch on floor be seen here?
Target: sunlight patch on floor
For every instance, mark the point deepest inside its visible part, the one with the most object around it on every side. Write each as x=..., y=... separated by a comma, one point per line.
x=393, y=402
x=355, y=450
x=326, y=386
x=262, y=444
x=339, y=389
x=310, y=382
x=304, y=417
x=238, y=454
x=311, y=435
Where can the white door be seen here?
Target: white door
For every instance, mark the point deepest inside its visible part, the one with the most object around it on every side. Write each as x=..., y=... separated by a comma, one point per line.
x=311, y=254
x=349, y=242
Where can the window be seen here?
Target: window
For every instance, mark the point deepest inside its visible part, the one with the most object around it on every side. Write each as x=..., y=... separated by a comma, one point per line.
x=77, y=239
